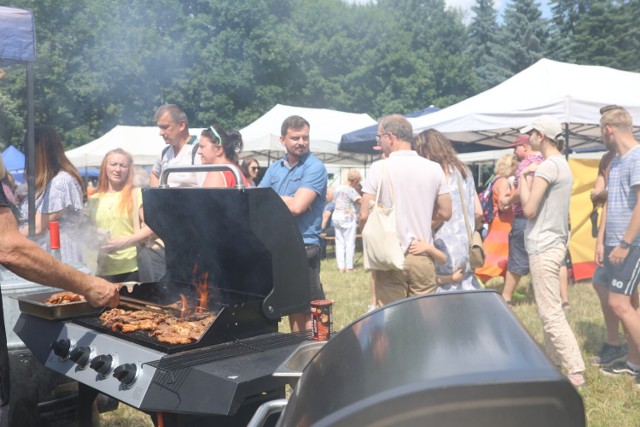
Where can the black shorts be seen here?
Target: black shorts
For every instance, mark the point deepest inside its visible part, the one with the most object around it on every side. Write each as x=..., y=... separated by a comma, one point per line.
x=518, y=257
x=313, y=257
x=622, y=279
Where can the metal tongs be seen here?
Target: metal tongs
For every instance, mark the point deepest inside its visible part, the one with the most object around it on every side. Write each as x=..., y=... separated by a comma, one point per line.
x=139, y=304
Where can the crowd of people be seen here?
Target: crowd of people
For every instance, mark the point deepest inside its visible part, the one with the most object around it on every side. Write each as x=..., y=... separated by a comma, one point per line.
x=432, y=192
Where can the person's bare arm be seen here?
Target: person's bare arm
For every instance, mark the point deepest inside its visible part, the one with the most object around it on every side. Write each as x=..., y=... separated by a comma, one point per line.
x=504, y=194
x=301, y=201
x=367, y=200
x=42, y=222
x=599, y=193
x=31, y=262
x=154, y=181
x=531, y=199
x=214, y=180
x=326, y=215
x=477, y=210
x=442, y=208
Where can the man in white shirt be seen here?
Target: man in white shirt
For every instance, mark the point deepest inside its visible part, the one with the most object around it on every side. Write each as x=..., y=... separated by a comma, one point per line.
x=420, y=194
x=174, y=129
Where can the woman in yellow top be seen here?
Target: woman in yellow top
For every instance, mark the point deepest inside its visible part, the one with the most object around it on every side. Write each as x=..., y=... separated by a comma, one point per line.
x=112, y=210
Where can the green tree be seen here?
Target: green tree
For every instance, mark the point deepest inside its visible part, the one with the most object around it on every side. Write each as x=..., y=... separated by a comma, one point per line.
x=606, y=33
x=523, y=36
x=483, y=43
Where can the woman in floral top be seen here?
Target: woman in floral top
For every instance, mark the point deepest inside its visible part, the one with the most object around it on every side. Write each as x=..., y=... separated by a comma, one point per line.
x=59, y=196
x=345, y=220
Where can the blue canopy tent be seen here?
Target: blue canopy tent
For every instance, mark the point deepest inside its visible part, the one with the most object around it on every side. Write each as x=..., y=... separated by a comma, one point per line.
x=87, y=172
x=18, y=46
x=13, y=160
x=363, y=140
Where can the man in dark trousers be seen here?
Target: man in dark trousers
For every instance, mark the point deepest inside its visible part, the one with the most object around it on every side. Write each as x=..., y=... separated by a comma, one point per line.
x=301, y=180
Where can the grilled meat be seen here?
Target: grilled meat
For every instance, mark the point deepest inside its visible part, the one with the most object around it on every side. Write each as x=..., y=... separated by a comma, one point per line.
x=64, y=298
x=164, y=327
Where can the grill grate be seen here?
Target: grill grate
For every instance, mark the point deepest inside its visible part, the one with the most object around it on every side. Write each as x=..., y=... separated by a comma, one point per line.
x=228, y=350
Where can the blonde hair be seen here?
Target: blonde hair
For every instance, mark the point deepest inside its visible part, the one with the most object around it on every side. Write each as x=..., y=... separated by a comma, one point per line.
x=617, y=117
x=126, y=199
x=506, y=165
x=354, y=176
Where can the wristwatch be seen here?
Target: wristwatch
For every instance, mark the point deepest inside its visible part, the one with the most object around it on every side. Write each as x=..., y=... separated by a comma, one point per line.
x=624, y=245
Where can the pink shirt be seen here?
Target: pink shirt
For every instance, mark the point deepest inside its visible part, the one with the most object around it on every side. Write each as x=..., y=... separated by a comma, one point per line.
x=531, y=159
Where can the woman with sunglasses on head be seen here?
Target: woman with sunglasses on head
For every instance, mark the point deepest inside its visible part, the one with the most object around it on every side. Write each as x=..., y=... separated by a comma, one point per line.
x=218, y=147
x=250, y=168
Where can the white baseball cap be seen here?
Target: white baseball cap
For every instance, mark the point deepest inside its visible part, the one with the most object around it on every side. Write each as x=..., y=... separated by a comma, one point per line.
x=548, y=125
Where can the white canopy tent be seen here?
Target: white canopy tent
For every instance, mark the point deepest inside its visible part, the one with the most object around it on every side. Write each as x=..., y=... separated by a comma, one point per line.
x=262, y=137
x=143, y=142
x=572, y=93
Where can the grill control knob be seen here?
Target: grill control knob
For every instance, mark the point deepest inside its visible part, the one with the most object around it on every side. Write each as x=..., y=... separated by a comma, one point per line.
x=80, y=355
x=102, y=364
x=126, y=373
x=61, y=348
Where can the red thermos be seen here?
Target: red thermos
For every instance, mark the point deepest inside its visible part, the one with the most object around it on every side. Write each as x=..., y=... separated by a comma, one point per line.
x=54, y=239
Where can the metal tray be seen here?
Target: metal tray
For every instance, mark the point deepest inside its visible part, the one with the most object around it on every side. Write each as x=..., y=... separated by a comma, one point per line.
x=298, y=360
x=34, y=305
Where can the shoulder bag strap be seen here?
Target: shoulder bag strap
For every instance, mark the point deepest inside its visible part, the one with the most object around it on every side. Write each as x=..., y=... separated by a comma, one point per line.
x=384, y=174
x=464, y=205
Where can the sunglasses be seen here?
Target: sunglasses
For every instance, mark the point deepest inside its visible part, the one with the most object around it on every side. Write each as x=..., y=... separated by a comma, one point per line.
x=255, y=168
x=215, y=132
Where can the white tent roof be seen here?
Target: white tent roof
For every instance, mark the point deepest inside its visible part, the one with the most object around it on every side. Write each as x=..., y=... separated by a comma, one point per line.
x=262, y=137
x=572, y=93
x=143, y=142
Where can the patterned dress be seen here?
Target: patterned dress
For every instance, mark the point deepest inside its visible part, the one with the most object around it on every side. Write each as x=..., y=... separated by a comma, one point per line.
x=452, y=237
x=63, y=193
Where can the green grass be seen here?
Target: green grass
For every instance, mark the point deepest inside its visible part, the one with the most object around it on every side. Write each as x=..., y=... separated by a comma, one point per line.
x=608, y=401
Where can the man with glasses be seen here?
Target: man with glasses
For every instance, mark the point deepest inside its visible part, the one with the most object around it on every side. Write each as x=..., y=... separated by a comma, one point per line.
x=301, y=180
x=418, y=191
x=182, y=149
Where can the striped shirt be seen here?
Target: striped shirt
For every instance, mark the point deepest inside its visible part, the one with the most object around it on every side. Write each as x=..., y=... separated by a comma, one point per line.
x=622, y=199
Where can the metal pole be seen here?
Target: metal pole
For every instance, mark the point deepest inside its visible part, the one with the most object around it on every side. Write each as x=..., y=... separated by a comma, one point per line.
x=31, y=155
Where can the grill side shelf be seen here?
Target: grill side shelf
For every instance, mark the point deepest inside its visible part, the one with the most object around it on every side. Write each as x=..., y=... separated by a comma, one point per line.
x=228, y=350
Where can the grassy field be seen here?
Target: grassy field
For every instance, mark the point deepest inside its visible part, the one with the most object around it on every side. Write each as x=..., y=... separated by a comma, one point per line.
x=608, y=401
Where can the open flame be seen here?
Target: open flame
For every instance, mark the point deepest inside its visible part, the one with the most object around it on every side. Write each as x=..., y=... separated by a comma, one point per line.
x=202, y=287
x=184, y=312
x=201, y=282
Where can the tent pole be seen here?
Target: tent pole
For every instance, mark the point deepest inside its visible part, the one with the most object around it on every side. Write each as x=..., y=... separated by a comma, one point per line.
x=566, y=140
x=31, y=155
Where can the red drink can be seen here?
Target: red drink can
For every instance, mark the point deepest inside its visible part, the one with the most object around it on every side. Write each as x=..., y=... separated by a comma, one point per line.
x=322, y=319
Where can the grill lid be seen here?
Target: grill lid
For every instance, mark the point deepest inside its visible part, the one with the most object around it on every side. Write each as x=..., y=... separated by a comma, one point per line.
x=243, y=242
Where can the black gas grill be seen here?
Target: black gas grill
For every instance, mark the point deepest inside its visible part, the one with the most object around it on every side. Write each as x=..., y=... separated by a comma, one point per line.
x=244, y=247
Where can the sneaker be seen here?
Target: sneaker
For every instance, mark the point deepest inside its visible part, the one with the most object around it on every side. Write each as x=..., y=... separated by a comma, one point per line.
x=609, y=355
x=620, y=368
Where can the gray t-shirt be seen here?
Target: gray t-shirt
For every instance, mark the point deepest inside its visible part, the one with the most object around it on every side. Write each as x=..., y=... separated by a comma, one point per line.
x=551, y=225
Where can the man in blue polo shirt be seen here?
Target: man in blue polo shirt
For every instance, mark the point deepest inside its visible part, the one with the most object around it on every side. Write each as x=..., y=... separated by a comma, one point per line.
x=301, y=180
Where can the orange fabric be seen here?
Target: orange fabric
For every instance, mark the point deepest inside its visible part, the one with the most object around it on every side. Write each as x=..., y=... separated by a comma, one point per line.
x=496, y=243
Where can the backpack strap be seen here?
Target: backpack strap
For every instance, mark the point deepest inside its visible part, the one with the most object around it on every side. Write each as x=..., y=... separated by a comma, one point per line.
x=194, y=150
